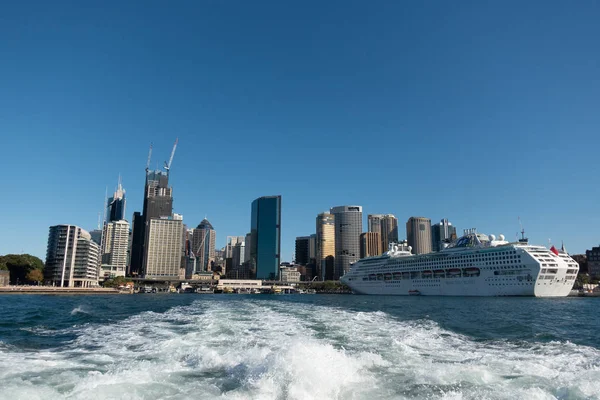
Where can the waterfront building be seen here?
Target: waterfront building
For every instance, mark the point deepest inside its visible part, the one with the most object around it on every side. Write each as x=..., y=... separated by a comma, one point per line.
x=72, y=257
x=302, y=250
x=204, y=239
x=4, y=278
x=163, y=255
x=115, y=207
x=386, y=225
x=114, y=251
x=265, y=240
x=325, y=245
x=441, y=233
x=370, y=244
x=593, y=262
x=418, y=234
x=289, y=273
x=348, y=227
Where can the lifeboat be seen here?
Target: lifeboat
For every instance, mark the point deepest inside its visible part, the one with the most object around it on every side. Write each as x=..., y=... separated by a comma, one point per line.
x=397, y=276
x=439, y=273
x=427, y=274
x=414, y=293
x=471, y=271
x=387, y=276
x=454, y=272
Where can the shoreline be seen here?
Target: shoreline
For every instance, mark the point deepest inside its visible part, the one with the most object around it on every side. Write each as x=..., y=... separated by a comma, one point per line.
x=56, y=290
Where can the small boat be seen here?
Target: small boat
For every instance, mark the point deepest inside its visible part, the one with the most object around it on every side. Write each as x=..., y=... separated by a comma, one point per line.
x=414, y=293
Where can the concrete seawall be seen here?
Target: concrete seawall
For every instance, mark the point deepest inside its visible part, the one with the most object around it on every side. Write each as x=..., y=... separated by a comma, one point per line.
x=56, y=290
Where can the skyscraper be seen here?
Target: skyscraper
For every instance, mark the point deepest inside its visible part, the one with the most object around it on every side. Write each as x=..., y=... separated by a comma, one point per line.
x=312, y=249
x=114, y=252
x=418, y=234
x=137, y=241
x=370, y=244
x=348, y=227
x=158, y=203
x=387, y=227
x=115, y=207
x=302, y=250
x=247, y=245
x=389, y=231
x=444, y=231
x=163, y=253
x=325, y=243
x=265, y=240
x=72, y=257
x=374, y=223
x=203, y=245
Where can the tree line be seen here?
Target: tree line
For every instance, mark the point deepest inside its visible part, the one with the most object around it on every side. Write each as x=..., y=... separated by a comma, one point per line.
x=23, y=268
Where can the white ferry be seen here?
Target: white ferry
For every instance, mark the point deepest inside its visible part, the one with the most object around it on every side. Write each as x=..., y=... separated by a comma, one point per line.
x=474, y=265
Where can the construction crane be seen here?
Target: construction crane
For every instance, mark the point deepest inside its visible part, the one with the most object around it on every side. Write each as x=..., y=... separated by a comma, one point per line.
x=168, y=165
x=149, y=157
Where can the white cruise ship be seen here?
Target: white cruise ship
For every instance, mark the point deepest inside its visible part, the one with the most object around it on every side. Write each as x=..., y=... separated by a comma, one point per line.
x=474, y=265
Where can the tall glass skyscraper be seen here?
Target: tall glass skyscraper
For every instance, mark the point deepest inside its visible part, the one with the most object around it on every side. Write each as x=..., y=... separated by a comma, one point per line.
x=265, y=232
x=116, y=204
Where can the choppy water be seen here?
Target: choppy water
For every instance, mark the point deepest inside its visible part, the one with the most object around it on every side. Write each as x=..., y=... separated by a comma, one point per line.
x=298, y=347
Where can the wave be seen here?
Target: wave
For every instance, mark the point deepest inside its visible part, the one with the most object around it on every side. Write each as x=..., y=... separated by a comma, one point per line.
x=256, y=349
x=80, y=310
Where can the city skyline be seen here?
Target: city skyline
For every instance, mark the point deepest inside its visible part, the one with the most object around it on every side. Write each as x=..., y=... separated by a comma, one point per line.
x=493, y=123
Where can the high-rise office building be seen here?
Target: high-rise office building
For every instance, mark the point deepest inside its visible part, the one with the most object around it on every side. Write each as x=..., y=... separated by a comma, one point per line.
x=370, y=244
x=348, y=227
x=230, y=243
x=237, y=258
x=115, y=207
x=203, y=245
x=265, y=240
x=387, y=227
x=440, y=233
x=418, y=234
x=302, y=250
x=72, y=257
x=114, y=252
x=325, y=243
x=136, y=260
x=374, y=223
x=389, y=231
x=163, y=253
x=312, y=249
x=158, y=203
x=247, y=247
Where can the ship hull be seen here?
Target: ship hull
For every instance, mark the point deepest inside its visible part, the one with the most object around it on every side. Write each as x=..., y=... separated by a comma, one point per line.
x=461, y=287
x=500, y=271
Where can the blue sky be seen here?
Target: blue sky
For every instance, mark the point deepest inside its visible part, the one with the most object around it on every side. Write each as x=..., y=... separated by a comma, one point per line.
x=476, y=111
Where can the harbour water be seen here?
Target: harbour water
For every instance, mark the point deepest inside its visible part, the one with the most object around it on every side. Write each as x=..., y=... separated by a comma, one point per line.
x=168, y=346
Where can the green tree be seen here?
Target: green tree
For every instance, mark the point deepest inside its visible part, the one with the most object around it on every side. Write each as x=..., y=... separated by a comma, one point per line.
x=115, y=282
x=35, y=275
x=20, y=265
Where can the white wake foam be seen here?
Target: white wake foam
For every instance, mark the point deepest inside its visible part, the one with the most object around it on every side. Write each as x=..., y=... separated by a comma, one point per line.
x=258, y=349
